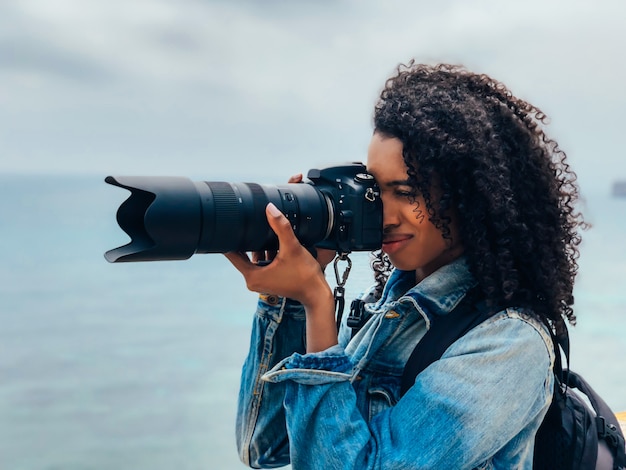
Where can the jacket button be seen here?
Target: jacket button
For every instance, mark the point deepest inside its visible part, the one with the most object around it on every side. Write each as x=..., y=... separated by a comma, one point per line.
x=269, y=298
x=392, y=314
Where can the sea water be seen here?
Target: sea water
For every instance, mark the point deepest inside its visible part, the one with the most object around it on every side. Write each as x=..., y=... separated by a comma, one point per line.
x=136, y=365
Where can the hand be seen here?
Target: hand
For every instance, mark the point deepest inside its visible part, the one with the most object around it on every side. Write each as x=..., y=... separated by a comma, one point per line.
x=293, y=273
x=323, y=256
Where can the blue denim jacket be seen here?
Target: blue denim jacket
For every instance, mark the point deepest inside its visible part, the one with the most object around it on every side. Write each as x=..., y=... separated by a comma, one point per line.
x=479, y=406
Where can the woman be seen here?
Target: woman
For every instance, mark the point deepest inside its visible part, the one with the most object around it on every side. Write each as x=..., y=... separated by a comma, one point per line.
x=475, y=197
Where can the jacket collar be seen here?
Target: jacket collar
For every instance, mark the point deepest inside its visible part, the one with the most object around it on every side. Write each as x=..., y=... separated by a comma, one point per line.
x=437, y=294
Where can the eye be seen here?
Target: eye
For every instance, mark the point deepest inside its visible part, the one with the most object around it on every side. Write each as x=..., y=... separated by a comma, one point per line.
x=404, y=193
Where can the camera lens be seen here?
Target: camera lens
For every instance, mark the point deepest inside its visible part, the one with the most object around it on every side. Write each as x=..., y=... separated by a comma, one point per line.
x=233, y=215
x=172, y=218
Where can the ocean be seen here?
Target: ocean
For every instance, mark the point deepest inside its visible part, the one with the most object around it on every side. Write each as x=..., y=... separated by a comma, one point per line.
x=136, y=365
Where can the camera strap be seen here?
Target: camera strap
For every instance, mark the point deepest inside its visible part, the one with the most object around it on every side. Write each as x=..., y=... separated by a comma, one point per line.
x=340, y=291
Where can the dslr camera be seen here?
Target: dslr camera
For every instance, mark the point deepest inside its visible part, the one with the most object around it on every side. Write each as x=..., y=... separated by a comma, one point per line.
x=171, y=218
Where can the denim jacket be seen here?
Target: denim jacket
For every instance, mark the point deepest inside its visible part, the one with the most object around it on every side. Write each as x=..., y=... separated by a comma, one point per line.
x=479, y=406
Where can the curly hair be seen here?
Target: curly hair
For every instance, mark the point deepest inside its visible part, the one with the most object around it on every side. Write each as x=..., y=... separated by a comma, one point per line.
x=506, y=181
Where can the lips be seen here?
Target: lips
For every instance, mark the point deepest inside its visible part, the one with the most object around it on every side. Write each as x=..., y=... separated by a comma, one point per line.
x=393, y=243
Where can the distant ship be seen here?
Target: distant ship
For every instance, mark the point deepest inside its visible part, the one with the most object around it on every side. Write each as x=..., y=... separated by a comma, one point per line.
x=619, y=189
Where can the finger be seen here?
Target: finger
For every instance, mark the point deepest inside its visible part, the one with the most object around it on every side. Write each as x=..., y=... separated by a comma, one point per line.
x=266, y=257
x=281, y=227
x=258, y=256
x=324, y=257
x=239, y=260
x=296, y=178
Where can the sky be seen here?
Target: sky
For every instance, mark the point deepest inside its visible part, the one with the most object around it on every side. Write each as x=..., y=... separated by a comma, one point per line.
x=255, y=90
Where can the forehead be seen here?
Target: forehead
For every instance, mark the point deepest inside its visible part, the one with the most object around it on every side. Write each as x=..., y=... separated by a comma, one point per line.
x=385, y=161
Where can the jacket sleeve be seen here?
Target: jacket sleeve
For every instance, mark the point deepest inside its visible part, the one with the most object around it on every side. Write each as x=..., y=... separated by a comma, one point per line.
x=278, y=331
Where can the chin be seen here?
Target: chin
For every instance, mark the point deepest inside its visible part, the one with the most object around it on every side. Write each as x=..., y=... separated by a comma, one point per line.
x=403, y=266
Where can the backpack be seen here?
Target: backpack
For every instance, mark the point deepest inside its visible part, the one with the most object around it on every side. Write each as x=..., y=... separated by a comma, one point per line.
x=572, y=435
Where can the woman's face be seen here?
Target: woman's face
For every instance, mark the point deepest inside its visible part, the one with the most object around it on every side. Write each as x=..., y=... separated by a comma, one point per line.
x=410, y=239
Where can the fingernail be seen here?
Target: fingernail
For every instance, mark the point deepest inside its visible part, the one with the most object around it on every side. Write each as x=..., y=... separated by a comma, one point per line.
x=273, y=210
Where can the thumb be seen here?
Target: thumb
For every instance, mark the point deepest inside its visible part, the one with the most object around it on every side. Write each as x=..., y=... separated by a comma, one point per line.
x=280, y=225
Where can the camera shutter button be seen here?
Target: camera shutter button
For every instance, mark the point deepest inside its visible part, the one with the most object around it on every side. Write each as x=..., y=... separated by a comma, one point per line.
x=363, y=177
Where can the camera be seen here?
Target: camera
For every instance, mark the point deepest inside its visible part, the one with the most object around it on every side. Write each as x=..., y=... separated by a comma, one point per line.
x=171, y=218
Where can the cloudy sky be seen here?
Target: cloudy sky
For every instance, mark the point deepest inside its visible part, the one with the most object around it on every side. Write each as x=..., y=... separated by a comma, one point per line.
x=222, y=88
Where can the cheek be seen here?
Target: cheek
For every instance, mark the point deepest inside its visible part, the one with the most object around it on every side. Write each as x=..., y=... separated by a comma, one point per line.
x=419, y=216
x=415, y=214
x=430, y=237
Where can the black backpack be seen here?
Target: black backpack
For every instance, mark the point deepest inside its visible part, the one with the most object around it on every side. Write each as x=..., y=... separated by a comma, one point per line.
x=572, y=435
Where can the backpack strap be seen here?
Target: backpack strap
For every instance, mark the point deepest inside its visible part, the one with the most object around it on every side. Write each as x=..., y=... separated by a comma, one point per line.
x=560, y=343
x=444, y=330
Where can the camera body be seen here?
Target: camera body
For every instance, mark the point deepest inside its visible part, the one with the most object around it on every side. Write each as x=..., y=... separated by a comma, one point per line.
x=169, y=218
x=356, y=207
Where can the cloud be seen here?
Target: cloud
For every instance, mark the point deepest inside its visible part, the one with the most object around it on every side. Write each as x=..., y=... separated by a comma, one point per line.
x=159, y=86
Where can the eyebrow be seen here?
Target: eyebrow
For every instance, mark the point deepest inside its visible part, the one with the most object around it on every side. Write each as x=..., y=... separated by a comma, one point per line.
x=398, y=183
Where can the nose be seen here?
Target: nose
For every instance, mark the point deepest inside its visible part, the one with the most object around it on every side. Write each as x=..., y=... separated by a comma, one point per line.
x=391, y=217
